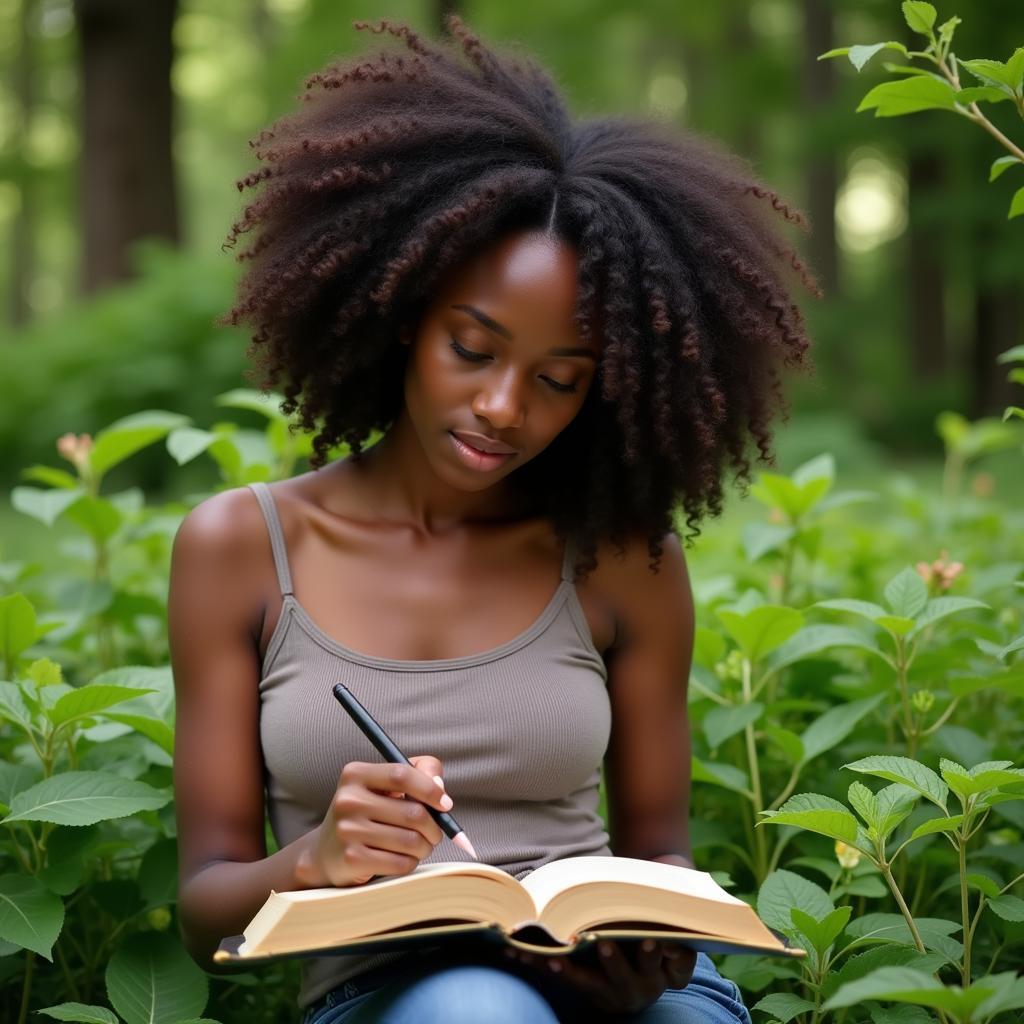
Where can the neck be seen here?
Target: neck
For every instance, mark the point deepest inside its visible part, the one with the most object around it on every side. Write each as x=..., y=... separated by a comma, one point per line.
x=406, y=488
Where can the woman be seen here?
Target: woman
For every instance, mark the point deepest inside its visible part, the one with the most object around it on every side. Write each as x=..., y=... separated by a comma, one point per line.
x=566, y=333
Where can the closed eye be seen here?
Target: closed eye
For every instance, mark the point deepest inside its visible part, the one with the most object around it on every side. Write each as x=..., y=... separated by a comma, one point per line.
x=479, y=357
x=473, y=357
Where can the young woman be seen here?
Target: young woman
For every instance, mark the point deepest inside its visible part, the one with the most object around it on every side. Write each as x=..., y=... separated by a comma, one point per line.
x=568, y=333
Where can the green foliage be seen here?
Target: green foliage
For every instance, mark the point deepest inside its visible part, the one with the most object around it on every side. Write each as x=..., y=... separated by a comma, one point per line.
x=922, y=89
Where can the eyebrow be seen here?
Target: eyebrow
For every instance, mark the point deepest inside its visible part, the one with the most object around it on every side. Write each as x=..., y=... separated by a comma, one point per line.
x=500, y=329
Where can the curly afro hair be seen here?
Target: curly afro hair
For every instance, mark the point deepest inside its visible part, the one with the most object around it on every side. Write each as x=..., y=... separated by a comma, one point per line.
x=399, y=167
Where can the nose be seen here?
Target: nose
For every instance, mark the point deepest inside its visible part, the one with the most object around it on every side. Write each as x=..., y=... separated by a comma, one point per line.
x=500, y=402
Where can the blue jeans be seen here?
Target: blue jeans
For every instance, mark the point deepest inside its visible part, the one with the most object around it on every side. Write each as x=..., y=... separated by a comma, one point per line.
x=498, y=993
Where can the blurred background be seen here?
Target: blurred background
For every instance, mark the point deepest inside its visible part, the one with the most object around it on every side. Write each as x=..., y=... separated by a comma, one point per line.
x=124, y=127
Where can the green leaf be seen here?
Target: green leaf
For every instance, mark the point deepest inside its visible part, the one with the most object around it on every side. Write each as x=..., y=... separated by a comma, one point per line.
x=908, y=773
x=87, y=700
x=788, y=742
x=920, y=16
x=266, y=404
x=888, y=955
x=762, y=629
x=933, y=825
x=990, y=775
x=1016, y=204
x=865, y=609
x=991, y=73
x=722, y=722
x=81, y=798
x=1015, y=69
x=896, y=624
x=97, y=516
x=1009, y=908
x=982, y=883
x=895, y=803
x=158, y=873
x=152, y=728
x=50, y=476
x=863, y=801
x=909, y=985
x=824, y=932
x=783, y=1006
x=836, y=724
x=815, y=813
x=811, y=640
x=126, y=436
x=906, y=594
x=783, y=890
x=908, y=96
x=761, y=538
x=81, y=1012
x=860, y=55
x=46, y=506
x=152, y=980
x=1015, y=354
x=30, y=915
x=18, y=630
x=186, y=443
x=726, y=775
x=981, y=94
x=1009, y=995
x=940, y=607
x=935, y=932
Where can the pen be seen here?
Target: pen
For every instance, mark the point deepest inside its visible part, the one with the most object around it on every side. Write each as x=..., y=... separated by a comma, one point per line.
x=380, y=739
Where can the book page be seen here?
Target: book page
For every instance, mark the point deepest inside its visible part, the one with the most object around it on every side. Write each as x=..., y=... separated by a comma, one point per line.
x=557, y=876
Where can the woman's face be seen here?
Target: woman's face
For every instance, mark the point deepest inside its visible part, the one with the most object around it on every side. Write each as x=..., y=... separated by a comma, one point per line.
x=497, y=361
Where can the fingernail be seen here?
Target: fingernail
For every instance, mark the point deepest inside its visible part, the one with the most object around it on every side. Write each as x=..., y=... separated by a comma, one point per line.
x=447, y=803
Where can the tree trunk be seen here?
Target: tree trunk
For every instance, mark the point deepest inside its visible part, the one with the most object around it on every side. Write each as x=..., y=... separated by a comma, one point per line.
x=23, y=233
x=822, y=182
x=442, y=8
x=127, y=183
x=925, y=273
x=998, y=313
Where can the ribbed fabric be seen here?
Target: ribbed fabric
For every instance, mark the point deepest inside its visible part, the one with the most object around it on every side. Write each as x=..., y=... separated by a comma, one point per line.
x=521, y=730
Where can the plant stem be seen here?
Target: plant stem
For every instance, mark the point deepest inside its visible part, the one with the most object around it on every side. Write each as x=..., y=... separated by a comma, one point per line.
x=964, y=906
x=787, y=789
x=886, y=870
x=26, y=987
x=760, y=847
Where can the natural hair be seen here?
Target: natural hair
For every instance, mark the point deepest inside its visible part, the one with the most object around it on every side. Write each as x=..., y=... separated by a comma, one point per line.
x=401, y=166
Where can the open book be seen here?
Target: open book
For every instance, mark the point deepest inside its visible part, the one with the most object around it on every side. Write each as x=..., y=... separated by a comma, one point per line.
x=562, y=907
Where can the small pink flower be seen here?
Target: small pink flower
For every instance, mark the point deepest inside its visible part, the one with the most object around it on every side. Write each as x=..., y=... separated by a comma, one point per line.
x=941, y=573
x=75, y=448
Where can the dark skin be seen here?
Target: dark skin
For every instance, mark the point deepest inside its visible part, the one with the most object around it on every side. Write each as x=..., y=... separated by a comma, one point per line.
x=410, y=554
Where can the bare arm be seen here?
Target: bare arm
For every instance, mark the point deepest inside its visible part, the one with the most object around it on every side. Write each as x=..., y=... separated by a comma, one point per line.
x=220, y=567
x=647, y=765
x=213, y=614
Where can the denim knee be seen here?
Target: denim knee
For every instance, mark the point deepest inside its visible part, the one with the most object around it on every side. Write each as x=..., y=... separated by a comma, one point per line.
x=465, y=994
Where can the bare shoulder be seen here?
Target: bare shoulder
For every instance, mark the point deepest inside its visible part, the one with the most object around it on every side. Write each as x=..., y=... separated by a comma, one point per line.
x=644, y=599
x=222, y=553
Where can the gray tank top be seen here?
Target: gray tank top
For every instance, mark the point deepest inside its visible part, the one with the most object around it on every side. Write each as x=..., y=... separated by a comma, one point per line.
x=521, y=730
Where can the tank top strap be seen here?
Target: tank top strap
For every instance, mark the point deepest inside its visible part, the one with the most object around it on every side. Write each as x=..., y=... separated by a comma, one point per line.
x=568, y=559
x=266, y=500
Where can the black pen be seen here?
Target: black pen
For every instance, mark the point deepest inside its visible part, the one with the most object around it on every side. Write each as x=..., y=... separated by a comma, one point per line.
x=380, y=739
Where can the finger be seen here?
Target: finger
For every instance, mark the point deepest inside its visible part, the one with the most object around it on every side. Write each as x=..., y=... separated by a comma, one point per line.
x=429, y=765
x=401, y=825
x=679, y=963
x=649, y=957
x=614, y=963
x=408, y=780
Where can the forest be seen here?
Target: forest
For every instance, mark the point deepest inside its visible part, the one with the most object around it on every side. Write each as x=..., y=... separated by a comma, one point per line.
x=857, y=678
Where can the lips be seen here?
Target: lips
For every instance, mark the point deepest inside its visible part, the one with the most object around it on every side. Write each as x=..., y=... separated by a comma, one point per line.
x=482, y=443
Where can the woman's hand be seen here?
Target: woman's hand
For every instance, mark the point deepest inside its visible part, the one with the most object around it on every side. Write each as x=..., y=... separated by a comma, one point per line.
x=371, y=828
x=615, y=984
